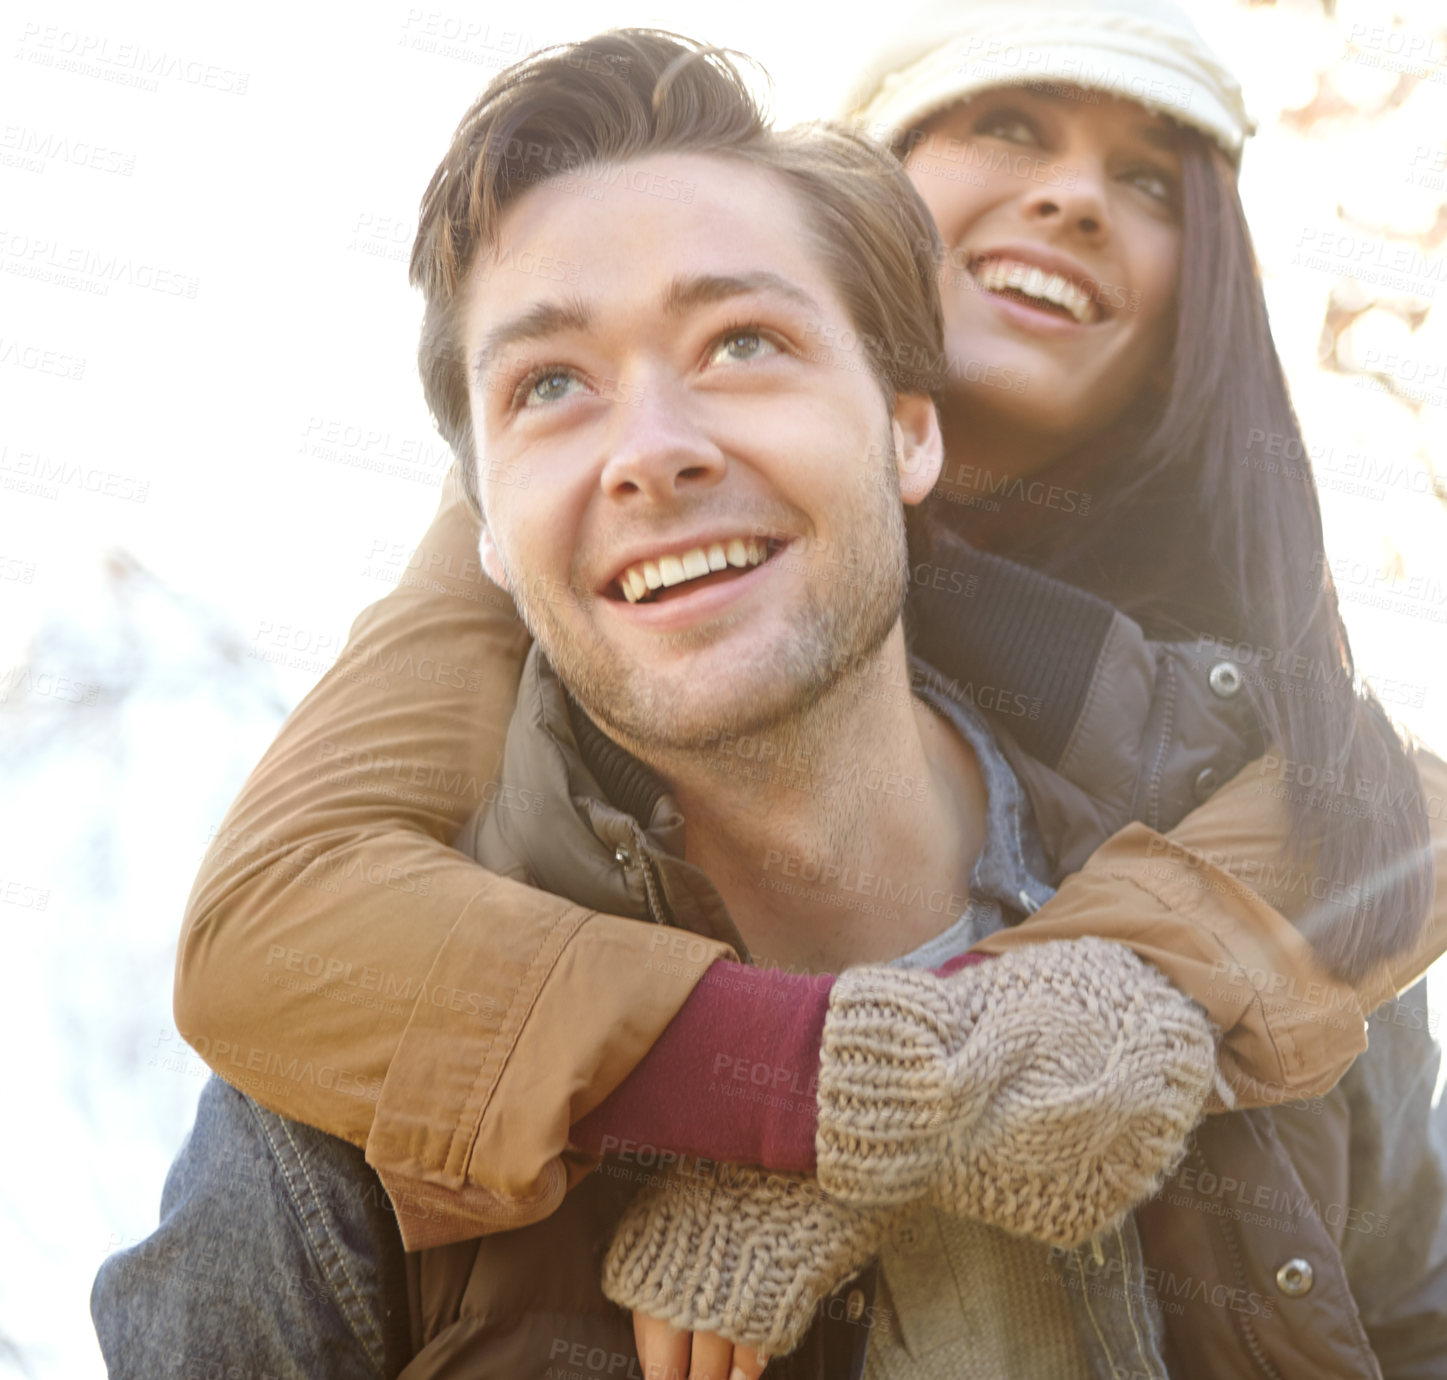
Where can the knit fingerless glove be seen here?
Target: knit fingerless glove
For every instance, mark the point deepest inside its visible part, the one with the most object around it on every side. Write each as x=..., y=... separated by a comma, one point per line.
x=741, y=1252
x=1046, y=1092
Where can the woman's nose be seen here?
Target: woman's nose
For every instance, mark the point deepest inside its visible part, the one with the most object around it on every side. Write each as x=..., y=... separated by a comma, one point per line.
x=1077, y=204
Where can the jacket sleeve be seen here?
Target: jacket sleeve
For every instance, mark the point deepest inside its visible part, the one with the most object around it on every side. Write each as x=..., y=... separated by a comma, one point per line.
x=340, y=962
x=344, y=965
x=1139, y=766
x=1216, y=907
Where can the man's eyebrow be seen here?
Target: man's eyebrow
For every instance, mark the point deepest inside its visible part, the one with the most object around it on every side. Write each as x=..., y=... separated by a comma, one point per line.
x=536, y=323
x=682, y=294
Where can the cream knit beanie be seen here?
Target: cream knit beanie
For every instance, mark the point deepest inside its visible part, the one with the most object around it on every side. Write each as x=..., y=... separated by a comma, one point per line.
x=1147, y=51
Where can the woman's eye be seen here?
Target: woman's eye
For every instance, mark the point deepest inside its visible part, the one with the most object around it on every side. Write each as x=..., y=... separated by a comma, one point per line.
x=1006, y=124
x=1155, y=184
x=742, y=345
x=546, y=388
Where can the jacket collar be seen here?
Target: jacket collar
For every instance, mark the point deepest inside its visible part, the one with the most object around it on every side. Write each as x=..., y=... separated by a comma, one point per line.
x=582, y=817
x=633, y=787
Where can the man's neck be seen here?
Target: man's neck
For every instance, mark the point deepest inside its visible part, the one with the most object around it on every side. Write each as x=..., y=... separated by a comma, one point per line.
x=848, y=836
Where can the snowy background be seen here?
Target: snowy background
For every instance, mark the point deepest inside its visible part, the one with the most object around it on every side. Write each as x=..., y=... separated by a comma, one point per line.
x=212, y=441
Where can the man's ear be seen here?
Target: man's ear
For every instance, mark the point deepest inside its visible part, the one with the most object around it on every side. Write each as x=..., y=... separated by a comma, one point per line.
x=491, y=561
x=919, y=449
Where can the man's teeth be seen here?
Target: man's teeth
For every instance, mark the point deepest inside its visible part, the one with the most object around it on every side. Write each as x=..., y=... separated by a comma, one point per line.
x=995, y=274
x=638, y=580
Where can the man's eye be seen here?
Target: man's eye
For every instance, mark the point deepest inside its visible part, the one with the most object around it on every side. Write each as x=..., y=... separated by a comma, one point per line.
x=545, y=388
x=742, y=345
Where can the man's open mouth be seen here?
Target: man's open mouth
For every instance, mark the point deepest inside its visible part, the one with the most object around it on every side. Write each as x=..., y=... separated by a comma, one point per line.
x=682, y=572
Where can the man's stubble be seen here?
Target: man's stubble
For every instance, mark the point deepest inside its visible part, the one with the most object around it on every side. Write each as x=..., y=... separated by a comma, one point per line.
x=795, y=694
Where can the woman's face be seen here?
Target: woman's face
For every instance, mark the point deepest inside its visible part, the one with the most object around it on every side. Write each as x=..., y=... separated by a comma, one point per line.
x=1060, y=215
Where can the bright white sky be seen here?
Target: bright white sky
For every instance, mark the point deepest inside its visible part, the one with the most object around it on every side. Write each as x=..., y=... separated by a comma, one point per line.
x=233, y=244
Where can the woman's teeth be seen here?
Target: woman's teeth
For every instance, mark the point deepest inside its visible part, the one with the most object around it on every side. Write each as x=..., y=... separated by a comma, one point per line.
x=996, y=275
x=642, y=579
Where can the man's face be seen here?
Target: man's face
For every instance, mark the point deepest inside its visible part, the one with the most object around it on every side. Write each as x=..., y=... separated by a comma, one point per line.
x=710, y=532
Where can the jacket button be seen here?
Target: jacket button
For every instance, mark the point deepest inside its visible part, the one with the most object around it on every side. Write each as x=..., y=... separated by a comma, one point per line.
x=854, y=1305
x=624, y=854
x=1295, y=1278
x=1224, y=679
x=1206, y=782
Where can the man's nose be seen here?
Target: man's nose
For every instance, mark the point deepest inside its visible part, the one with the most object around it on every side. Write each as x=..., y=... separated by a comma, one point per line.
x=658, y=447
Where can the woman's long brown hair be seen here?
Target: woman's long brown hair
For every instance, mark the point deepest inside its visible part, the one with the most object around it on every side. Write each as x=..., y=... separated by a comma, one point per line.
x=1196, y=534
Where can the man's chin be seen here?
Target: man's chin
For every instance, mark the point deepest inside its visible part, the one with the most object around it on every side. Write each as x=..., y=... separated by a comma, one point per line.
x=765, y=684
x=680, y=692
x=668, y=717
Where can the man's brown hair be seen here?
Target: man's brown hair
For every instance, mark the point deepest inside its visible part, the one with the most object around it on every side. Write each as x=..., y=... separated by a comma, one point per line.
x=631, y=92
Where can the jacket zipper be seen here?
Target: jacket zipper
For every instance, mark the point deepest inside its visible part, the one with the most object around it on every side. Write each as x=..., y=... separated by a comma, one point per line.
x=1243, y=1328
x=1248, y=1333
x=1168, y=722
x=639, y=856
x=651, y=886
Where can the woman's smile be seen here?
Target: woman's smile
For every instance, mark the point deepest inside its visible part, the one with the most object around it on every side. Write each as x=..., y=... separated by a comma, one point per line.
x=1062, y=226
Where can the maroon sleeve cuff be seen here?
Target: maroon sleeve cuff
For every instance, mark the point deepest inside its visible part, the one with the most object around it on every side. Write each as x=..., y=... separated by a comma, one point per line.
x=734, y=1076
